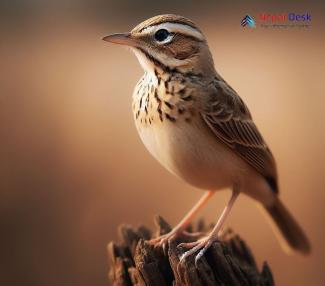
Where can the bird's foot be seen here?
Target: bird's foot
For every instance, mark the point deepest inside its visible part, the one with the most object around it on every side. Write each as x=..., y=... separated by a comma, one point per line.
x=162, y=241
x=200, y=245
x=193, y=235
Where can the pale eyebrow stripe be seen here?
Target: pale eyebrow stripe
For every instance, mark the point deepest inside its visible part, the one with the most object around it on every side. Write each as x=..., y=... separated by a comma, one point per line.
x=175, y=28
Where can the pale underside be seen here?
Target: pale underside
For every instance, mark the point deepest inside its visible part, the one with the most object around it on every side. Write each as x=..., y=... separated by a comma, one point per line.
x=189, y=149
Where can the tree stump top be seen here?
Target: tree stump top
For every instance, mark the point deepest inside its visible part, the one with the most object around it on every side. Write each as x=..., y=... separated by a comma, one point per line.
x=227, y=262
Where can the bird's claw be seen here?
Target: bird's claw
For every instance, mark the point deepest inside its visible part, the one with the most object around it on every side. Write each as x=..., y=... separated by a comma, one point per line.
x=162, y=241
x=192, y=244
x=202, y=252
x=202, y=245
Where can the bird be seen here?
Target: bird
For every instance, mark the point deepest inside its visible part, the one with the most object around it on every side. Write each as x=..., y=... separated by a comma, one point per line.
x=197, y=126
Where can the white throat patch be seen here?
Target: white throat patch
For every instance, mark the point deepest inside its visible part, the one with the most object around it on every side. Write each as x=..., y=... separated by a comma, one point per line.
x=146, y=64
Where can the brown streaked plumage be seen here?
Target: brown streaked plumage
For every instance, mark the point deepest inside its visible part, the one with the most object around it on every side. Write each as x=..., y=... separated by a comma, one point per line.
x=198, y=127
x=230, y=120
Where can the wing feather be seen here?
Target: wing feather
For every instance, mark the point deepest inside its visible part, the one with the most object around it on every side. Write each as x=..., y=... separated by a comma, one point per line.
x=230, y=120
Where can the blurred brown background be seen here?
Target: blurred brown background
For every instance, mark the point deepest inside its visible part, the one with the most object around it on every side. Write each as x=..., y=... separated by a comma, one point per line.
x=72, y=166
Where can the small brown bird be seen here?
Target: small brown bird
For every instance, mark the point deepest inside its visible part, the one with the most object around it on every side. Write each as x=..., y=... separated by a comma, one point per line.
x=199, y=128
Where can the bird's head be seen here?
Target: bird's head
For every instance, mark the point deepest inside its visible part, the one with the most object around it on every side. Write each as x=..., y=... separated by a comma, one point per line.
x=168, y=42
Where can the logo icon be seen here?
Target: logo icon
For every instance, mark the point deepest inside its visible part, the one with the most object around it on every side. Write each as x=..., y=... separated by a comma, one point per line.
x=248, y=21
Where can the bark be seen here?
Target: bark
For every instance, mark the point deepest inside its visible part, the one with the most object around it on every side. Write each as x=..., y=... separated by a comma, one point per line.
x=227, y=262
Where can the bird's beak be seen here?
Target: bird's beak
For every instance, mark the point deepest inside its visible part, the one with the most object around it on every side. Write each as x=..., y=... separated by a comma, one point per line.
x=121, y=39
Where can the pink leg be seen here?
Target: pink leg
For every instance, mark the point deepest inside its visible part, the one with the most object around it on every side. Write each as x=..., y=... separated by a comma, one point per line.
x=186, y=220
x=205, y=243
x=190, y=215
x=215, y=231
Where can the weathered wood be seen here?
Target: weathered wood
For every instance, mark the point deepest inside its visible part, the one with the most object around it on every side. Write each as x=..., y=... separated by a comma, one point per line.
x=228, y=262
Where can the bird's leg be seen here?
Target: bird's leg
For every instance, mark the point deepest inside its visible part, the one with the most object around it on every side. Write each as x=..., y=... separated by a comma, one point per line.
x=204, y=243
x=180, y=228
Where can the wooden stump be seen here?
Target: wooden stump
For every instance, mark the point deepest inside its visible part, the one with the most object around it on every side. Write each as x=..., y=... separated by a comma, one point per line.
x=228, y=262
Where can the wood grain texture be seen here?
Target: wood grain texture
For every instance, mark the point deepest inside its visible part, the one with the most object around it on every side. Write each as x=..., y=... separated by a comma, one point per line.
x=228, y=262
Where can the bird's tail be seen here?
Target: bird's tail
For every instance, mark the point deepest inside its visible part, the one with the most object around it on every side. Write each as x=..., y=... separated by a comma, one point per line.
x=287, y=229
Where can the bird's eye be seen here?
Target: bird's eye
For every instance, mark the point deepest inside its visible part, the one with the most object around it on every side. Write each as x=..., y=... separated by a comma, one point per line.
x=161, y=35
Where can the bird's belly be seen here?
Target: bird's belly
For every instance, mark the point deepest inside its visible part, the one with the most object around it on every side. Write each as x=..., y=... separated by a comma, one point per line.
x=189, y=151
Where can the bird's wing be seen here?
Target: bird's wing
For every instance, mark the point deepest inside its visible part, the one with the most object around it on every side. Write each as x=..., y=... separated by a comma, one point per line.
x=230, y=120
